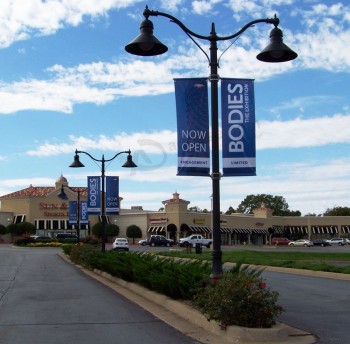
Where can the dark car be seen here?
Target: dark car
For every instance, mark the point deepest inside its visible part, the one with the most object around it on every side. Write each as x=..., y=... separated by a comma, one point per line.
x=159, y=240
x=42, y=238
x=67, y=237
x=321, y=242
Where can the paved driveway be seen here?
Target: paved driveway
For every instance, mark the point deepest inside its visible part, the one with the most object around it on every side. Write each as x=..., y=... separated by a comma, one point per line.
x=44, y=300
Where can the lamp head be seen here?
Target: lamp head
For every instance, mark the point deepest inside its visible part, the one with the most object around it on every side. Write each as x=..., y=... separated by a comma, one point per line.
x=146, y=44
x=129, y=163
x=76, y=162
x=276, y=51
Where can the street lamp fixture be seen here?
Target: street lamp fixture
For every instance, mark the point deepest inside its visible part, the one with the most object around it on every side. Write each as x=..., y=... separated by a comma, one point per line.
x=77, y=163
x=146, y=44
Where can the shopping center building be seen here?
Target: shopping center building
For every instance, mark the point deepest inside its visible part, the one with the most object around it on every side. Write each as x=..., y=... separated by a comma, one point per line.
x=47, y=209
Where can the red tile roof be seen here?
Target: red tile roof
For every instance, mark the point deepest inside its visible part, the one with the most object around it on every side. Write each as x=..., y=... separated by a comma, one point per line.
x=41, y=191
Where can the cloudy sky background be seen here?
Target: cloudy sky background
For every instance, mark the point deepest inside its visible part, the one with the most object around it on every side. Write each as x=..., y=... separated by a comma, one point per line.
x=67, y=83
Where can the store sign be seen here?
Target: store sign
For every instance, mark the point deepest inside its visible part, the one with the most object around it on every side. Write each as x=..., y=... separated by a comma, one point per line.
x=157, y=221
x=199, y=221
x=54, y=209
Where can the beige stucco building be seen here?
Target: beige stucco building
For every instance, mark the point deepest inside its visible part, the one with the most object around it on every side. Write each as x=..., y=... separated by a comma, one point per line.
x=47, y=209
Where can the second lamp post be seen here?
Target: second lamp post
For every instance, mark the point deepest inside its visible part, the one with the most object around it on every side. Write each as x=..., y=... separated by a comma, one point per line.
x=129, y=163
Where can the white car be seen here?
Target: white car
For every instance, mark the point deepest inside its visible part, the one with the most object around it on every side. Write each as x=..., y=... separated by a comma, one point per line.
x=121, y=244
x=301, y=242
x=337, y=241
x=143, y=242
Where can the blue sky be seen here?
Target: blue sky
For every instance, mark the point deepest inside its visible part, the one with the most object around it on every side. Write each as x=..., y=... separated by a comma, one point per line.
x=67, y=83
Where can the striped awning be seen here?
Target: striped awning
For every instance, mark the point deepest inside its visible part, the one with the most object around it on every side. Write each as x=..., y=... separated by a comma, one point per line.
x=324, y=229
x=296, y=229
x=199, y=229
x=278, y=229
x=345, y=229
x=244, y=230
x=155, y=229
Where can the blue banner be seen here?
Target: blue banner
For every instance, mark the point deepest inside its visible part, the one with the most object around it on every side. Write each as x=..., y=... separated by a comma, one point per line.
x=84, y=215
x=112, y=195
x=94, y=195
x=192, y=127
x=238, y=127
x=72, y=212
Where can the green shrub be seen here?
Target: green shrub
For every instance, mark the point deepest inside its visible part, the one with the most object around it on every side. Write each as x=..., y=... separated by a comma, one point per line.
x=240, y=298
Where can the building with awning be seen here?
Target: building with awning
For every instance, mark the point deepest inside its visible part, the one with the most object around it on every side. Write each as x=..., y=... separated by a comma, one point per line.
x=47, y=209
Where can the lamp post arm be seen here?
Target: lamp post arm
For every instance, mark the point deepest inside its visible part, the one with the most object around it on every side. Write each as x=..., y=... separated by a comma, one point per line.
x=213, y=36
x=124, y=152
x=88, y=154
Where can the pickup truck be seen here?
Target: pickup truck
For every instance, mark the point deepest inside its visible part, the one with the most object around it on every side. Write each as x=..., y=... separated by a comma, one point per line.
x=194, y=239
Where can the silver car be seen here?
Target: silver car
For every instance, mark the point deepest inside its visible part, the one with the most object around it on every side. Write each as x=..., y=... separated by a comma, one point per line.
x=301, y=242
x=121, y=244
x=337, y=241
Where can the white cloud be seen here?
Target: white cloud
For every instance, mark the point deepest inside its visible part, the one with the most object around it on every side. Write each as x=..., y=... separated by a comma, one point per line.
x=20, y=19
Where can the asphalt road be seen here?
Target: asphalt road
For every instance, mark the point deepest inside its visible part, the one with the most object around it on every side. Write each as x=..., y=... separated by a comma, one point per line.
x=318, y=305
x=44, y=300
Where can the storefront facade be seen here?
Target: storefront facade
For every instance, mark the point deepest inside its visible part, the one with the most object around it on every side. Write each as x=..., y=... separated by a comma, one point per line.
x=47, y=209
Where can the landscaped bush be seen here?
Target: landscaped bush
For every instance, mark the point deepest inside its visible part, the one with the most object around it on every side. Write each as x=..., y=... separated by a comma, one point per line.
x=240, y=298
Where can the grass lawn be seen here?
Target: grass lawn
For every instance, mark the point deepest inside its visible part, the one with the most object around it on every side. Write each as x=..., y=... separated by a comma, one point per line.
x=317, y=261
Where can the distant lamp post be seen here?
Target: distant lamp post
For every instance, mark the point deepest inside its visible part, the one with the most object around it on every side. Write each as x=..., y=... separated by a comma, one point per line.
x=129, y=164
x=62, y=194
x=146, y=44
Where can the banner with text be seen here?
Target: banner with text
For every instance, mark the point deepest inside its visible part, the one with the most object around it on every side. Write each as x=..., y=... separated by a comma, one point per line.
x=84, y=215
x=72, y=212
x=112, y=195
x=238, y=127
x=94, y=195
x=192, y=127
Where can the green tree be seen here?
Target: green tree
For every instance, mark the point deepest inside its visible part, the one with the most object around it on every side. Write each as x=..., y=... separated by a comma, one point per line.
x=230, y=211
x=110, y=230
x=133, y=232
x=3, y=229
x=194, y=209
x=18, y=229
x=278, y=205
x=337, y=211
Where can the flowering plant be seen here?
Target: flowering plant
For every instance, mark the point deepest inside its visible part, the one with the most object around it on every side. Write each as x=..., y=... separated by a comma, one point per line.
x=240, y=298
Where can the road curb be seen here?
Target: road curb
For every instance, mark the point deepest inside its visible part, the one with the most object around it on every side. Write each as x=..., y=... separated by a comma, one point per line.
x=193, y=323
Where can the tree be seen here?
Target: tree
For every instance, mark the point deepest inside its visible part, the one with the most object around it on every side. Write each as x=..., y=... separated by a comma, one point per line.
x=133, y=232
x=110, y=230
x=337, y=211
x=18, y=229
x=3, y=229
x=230, y=211
x=194, y=209
x=278, y=205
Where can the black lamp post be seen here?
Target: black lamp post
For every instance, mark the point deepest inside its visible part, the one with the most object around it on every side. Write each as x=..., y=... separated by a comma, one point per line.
x=129, y=163
x=146, y=44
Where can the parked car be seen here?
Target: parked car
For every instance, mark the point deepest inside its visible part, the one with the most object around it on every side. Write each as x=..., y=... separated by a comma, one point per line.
x=301, y=242
x=321, y=242
x=337, y=241
x=120, y=244
x=143, y=242
x=67, y=237
x=280, y=241
x=39, y=238
x=159, y=240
